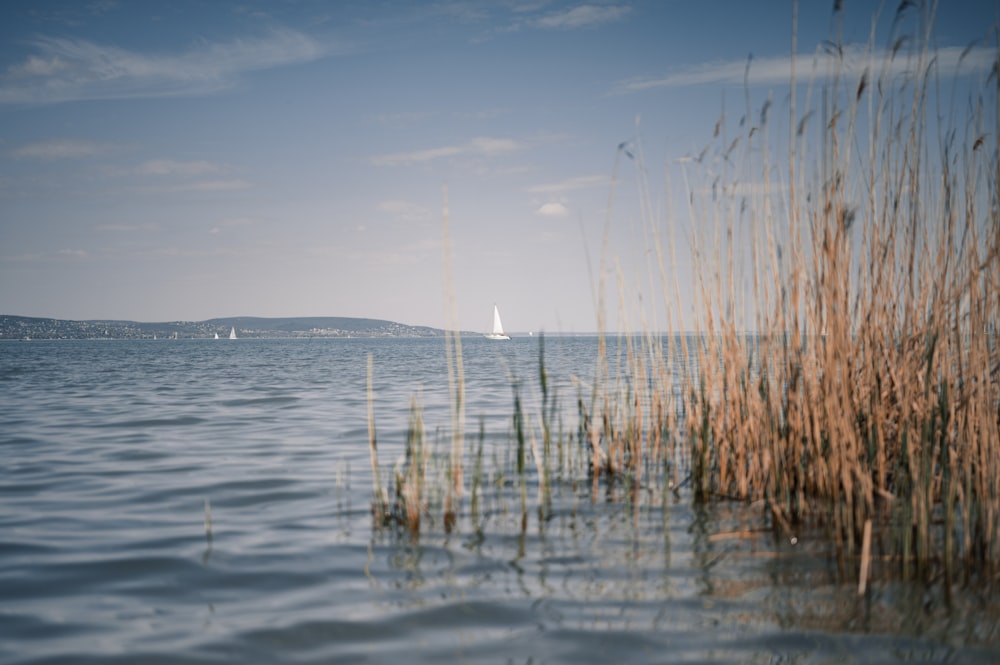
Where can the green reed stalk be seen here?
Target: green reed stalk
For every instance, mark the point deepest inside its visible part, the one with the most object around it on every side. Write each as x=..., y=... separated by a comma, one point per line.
x=411, y=481
x=477, y=477
x=519, y=427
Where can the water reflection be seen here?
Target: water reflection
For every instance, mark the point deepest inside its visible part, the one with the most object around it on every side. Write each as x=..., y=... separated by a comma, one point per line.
x=630, y=570
x=211, y=503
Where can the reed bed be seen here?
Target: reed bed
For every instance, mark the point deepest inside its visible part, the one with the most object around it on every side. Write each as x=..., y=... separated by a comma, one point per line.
x=869, y=394
x=841, y=368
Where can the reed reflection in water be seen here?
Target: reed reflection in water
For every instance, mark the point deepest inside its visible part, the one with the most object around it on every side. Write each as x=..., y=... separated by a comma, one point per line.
x=116, y=452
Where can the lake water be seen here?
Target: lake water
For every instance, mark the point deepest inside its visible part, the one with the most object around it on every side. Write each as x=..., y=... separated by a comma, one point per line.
x=111, y=451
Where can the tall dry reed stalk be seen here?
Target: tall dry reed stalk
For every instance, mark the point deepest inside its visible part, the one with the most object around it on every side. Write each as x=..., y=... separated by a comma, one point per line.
x=456, y=378
x=842, y=365
x=870, y=389
x=380, y=499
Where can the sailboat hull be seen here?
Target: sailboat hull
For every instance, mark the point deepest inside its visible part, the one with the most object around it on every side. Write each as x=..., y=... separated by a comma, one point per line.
x=497, y=332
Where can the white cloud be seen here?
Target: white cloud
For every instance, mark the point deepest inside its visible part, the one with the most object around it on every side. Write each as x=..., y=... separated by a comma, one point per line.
x=481, y=147
x=553, y=210
x=582, y=16
x=818, y=67
x=75, y=69
x=62, y=149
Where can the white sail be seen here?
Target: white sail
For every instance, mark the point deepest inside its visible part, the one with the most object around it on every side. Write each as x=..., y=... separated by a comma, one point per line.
x=232, y=333
x=497, y=331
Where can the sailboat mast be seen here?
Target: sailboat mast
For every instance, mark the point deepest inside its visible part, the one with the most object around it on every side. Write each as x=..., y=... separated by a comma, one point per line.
x=497, y=330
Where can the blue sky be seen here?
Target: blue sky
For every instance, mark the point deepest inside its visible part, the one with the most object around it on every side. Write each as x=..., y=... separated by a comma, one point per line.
x=188, y=160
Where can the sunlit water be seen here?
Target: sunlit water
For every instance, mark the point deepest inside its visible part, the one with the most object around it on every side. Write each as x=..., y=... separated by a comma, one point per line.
x=111, y=451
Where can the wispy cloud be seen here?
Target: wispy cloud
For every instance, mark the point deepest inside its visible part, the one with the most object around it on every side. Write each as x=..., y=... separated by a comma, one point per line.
x=52, y=256
x=62, y=149
x=231, y=223
x=409, y=119
x=136, y=252
x=128, y=228
x=818, y=67
x=74, y=69
x=188, y=176
x=582, y=16
x=207, y=185
x=479, y=147
x=413, y=253
x=211, y=185
x=168, y=167
x=537, y=16
x=403, y=119
x=405, y=211
x=579, y=182
x=72, y=14
x=199, y=252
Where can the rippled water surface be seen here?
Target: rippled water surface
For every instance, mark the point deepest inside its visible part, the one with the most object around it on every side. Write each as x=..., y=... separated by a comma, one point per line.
x=209, y=501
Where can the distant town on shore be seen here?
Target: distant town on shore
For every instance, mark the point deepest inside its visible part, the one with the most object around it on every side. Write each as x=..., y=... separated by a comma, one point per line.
x=27, y=328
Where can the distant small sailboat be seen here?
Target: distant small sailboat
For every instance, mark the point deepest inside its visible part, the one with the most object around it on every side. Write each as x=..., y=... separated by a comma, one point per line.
x=216, y=335
x=497, y=332
x=232, y=333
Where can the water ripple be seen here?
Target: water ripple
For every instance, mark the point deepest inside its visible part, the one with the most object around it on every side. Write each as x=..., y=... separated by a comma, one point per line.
x=197, y=502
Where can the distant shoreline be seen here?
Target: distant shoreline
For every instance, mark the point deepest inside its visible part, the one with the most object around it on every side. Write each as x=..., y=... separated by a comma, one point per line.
x=15, y=327
x=27, y=327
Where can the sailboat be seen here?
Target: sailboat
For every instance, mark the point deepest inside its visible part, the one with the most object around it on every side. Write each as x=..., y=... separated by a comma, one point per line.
x=232, y=333
x=497, y=332
x=216, y=335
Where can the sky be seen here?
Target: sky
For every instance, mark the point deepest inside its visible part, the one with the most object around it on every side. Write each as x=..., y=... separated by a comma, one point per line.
x=410, y=161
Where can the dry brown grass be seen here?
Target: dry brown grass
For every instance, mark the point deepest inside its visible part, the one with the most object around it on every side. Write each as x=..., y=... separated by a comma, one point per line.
x=867, y=395
x=870, y=389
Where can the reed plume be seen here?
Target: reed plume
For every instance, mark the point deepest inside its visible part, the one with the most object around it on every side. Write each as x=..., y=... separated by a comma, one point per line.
x=870, y=389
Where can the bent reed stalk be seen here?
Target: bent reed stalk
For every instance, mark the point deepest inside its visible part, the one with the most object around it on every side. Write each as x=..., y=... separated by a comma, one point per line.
x=858, y=386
